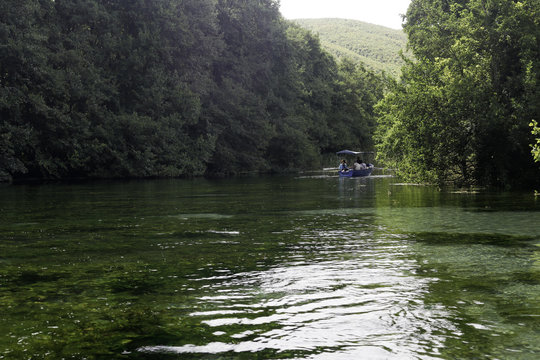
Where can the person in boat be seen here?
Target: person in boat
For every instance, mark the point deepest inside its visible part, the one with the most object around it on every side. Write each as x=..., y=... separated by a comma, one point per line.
x=359, y=164
x=343, y=166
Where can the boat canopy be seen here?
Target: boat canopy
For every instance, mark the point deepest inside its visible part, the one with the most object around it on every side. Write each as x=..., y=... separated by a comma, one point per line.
x=350, y=152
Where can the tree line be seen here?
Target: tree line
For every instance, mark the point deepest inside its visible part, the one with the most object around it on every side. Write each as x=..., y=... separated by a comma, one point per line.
x=144, y=88
x=463, y=110
x=169, y=88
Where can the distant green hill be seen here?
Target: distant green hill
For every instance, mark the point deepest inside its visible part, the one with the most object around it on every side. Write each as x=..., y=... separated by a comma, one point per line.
x=374, y=45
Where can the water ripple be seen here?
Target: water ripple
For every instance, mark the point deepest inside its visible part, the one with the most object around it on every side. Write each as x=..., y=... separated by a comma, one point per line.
x=364, y=303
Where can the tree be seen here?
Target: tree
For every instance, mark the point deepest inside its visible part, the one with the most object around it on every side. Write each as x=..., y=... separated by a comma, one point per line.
x=536, y=147
x=352, y=119
x=145, y=88
x=462, y=110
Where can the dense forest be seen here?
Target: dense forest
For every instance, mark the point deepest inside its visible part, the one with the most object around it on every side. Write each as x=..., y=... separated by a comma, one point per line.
x=172, y=88
x=375, y=46
x=463, y=109
x=114, y=88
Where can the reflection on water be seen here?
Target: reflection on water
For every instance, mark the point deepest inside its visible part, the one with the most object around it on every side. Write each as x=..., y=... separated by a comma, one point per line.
x=292, y=268
x=341, y=293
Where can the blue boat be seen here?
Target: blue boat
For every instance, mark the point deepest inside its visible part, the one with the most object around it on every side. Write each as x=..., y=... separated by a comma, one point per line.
x=355, y=173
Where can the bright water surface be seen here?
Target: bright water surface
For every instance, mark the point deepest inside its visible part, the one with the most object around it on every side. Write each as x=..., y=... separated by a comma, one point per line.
x=307, y=267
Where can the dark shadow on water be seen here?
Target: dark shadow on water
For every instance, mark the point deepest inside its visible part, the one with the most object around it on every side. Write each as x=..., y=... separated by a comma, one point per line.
x=452, y=239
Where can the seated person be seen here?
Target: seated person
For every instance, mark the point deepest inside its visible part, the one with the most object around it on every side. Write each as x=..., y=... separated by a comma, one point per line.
x=359, y=165
x=363, y=165
x=343, y=166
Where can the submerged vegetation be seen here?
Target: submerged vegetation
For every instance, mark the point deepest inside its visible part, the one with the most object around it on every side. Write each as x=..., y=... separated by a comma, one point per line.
x=114, y=269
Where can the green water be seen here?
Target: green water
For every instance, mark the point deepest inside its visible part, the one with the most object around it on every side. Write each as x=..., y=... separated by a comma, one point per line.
x=307, y=267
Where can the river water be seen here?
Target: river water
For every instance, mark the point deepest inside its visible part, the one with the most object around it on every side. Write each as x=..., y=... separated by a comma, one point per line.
x=305, y=267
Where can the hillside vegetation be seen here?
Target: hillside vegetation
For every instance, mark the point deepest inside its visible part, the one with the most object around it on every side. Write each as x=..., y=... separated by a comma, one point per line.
x=374, y=45
x=171, y=88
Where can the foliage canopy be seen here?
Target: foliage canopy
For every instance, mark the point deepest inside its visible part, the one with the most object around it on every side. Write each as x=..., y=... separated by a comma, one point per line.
x=116, y=88
x=462, y=110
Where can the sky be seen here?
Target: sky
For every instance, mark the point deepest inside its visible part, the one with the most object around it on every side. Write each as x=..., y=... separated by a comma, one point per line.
x=380, y=12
